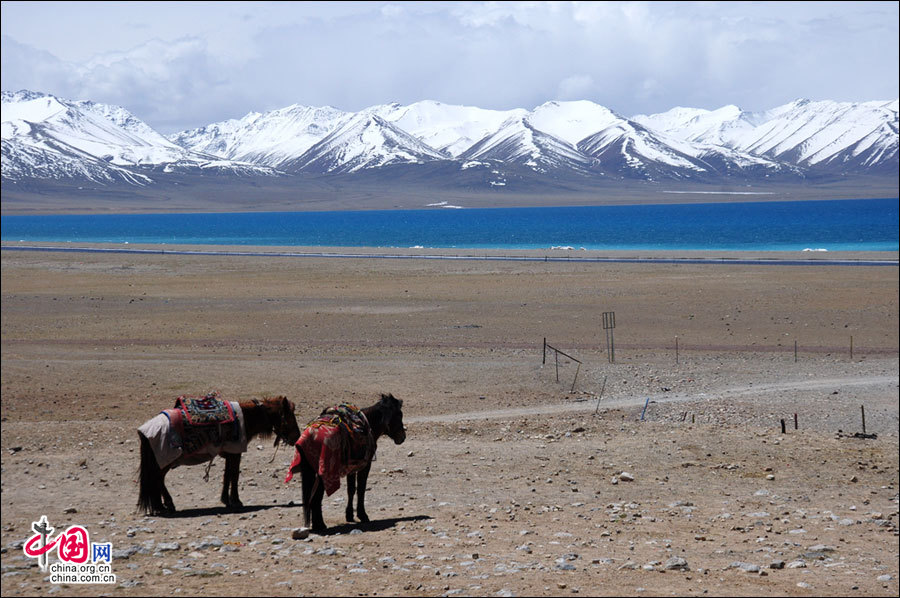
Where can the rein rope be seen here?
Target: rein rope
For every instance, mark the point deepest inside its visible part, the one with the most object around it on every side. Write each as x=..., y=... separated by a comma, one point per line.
x=271, y=426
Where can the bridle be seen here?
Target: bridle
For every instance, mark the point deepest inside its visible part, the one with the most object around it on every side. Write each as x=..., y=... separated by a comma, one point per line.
x=278, y=428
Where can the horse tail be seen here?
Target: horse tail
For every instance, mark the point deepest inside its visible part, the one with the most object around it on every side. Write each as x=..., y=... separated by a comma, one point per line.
x=150, y=477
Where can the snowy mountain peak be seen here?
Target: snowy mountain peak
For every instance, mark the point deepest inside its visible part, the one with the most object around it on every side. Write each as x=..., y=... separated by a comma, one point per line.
x=47, y=137
x=572, y=121
x=520, y=142
x=365, y=140
x=271, y=139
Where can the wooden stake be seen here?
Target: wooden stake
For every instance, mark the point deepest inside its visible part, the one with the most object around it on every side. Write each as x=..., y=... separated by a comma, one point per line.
x=795, y=421
x=578, y=369
x=782, y=426
x=863, y=410
x=600, y=396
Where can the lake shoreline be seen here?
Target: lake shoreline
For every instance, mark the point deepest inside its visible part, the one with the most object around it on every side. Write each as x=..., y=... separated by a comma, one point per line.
x=887, y=258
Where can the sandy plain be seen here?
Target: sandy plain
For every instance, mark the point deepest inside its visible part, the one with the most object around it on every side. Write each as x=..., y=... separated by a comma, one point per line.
x=510, y=482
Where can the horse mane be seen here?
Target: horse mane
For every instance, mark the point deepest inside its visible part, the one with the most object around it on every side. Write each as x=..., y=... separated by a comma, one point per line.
x=381, y=411
x=263, y=427
x=388, y=399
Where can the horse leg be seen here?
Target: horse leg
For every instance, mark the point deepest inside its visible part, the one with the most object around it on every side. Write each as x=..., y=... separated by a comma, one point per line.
x=308, y=480
x=361, y=477
x=351, y=490
x=167, y=498
x=230, y=481
x=318, y=493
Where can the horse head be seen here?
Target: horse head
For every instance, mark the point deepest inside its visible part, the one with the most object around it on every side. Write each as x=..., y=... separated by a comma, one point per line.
x=393, y=415
x=280, y=414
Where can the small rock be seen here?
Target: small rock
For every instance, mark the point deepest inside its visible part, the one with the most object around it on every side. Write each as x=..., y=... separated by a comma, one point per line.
x=676, y=563
x=626, y=477
x=301, y=533
x=884, y=578
x=748, y=567
x=124, y=553
x=776, y=565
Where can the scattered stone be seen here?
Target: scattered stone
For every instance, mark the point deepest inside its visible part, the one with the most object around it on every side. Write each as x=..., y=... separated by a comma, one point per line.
x=884, y=578
x=301, y=533
x=776, y=565
x=748, y=567
x=125, y=553
x=129, y=583
x=676, y=563
x=626, y=477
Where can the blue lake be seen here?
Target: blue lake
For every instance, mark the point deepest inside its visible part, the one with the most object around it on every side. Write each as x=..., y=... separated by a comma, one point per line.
x=833, y=225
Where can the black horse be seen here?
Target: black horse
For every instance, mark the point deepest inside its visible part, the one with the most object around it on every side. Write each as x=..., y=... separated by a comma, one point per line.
x=261, y=419
x=384, y=417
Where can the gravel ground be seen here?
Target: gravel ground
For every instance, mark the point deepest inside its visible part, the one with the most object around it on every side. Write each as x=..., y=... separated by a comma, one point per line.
x=510, y=483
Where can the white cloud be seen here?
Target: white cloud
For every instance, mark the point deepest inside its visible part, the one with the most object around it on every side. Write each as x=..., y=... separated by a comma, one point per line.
x=576, y=87
x=194, y=63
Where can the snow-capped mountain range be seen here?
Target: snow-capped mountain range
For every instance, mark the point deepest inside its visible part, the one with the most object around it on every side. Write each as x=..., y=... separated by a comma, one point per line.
x=45, y=137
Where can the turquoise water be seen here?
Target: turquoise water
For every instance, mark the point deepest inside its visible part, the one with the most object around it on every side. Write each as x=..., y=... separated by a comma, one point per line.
x=834, y=225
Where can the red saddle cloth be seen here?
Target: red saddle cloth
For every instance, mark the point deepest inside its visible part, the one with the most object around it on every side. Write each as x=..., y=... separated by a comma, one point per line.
x=337, y=443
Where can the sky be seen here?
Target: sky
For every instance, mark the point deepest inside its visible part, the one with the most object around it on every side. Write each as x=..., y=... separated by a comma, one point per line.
x=181, y=65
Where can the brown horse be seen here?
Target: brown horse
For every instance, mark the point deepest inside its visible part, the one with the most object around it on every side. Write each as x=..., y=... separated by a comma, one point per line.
x=260, y=419
x=384, y=417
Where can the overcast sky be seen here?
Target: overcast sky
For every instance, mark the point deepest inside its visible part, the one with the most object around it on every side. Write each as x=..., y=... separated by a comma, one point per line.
x=179, y=65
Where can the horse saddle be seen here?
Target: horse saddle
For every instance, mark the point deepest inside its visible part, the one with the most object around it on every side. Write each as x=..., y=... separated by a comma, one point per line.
x=337, y=443
x=206, y=410
x=353, y=425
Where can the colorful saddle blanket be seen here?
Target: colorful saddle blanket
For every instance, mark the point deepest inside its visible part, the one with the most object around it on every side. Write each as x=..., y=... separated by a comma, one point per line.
x=189, y=436
x=337, y=443
x=208, y=410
